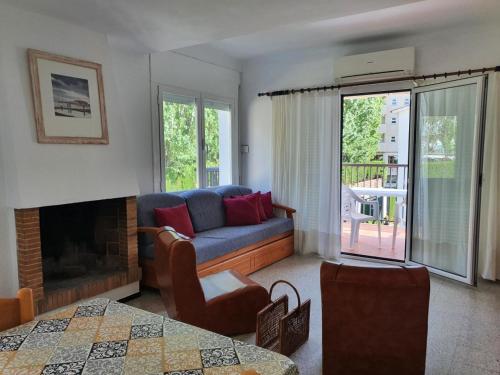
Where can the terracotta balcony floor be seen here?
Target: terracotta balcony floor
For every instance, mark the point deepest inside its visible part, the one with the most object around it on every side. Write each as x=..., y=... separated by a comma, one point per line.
x=368, y=241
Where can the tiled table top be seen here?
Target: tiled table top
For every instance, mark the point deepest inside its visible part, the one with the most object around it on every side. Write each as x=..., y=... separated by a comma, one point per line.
x=107, y=337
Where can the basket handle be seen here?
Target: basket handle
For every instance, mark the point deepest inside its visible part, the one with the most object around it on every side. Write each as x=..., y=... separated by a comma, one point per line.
x=287, y=283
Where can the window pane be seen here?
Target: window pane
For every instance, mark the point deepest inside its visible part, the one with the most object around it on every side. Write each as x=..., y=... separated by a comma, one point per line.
x=180, y=142
x=217, y=143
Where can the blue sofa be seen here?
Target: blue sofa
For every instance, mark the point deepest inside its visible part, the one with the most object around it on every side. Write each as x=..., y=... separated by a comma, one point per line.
x=218, y=247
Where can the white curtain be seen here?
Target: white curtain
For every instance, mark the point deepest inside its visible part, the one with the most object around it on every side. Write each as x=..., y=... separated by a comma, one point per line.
x=306, y=167
x=489, y=249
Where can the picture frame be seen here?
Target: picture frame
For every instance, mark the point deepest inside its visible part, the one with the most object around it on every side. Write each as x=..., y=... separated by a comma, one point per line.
x=68, y=99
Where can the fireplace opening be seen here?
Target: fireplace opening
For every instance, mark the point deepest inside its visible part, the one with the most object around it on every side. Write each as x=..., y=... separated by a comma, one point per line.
x=80, y=242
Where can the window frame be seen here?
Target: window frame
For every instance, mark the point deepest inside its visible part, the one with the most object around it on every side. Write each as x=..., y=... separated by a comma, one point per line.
x=159, y=145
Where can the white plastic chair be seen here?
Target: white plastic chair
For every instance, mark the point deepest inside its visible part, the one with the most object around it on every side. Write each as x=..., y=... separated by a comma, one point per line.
x=397, y=219
x=350, y=212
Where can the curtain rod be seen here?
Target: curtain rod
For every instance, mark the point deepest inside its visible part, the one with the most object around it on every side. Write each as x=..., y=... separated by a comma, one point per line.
x=458, y=73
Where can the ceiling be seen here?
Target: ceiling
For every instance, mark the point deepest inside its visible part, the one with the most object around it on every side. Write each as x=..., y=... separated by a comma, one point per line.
x=159, y=25
x=246, y=28
x=407, y=19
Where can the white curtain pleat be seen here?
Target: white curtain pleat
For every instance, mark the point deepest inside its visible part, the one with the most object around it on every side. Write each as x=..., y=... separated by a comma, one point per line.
x=489, y=249
x=306, y=168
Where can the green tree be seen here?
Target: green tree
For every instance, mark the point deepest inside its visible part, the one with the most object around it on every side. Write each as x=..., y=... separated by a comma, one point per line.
x=181, y=146
x=362, y=118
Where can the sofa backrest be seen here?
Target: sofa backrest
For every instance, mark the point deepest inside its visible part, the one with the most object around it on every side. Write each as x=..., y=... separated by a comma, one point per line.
x=205, y=207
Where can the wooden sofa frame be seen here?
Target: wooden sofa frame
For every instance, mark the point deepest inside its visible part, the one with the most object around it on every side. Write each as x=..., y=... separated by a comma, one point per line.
x=246, y=260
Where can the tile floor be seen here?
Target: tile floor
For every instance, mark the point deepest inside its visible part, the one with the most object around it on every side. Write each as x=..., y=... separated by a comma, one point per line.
x=464, y=322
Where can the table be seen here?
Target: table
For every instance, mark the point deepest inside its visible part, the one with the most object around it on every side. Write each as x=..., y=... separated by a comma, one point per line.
x=106, y=337
x=380, y=192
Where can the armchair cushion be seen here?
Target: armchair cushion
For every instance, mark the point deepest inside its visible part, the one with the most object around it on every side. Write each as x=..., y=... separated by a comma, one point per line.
x=220, y=283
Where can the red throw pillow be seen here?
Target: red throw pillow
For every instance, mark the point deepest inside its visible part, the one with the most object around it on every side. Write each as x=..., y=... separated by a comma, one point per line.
x=176, y=217
x=242, y=211
x=267, y=203
x=262, y=213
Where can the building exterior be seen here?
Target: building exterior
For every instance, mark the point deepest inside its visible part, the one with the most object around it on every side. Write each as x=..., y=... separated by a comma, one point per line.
x=394, y=129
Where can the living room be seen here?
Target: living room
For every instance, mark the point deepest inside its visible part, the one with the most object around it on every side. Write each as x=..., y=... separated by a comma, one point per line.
x=373, y=125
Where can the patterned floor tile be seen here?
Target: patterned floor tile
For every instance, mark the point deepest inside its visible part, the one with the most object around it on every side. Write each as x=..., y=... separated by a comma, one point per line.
x=71, y=368
x=184, y=360
x=53, y=325
x=219, y=357
x=145, y=346
x=70, y=354
x=91, y=310
x=110, y=366
x=11, y=343
x=41, y=340
x=31, y=357
x=71, y=338
x=84, y=323
x=108, y=349
x=146, y=364
x=113, y=333
x=175, y=343
x=146, y=331
x=116, y=320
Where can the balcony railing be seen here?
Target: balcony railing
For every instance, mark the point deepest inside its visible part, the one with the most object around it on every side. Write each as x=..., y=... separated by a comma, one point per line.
x=392, y=176
x=212, y=176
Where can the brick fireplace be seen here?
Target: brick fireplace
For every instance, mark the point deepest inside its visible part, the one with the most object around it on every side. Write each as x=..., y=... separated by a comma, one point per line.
x=75, y=251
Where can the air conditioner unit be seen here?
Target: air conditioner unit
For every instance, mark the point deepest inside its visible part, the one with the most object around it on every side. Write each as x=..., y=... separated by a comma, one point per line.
x=374, y=66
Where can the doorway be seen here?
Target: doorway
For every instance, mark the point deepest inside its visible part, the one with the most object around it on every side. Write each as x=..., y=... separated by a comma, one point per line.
x=374, y=174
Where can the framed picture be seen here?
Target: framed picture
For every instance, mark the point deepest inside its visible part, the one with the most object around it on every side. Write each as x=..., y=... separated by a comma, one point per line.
x=68, y=97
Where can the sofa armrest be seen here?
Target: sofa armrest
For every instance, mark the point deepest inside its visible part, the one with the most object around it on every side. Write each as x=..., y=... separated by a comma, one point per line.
x=289, y=211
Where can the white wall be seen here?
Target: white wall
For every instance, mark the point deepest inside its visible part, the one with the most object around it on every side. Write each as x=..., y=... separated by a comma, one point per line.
x=34, y=174
x=452, y=49
x=194, y=74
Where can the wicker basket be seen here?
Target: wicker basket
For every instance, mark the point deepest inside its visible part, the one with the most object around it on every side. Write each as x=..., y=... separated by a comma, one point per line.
x=282, y=331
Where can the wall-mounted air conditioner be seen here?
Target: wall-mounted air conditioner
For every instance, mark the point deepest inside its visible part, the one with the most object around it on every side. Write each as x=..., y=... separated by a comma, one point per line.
x=374, y=66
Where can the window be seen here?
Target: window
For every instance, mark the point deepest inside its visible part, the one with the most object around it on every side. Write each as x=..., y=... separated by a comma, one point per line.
x=394, y=101
x=196, y=142
x=393, y=139
x=394, y=120
x=407, y=101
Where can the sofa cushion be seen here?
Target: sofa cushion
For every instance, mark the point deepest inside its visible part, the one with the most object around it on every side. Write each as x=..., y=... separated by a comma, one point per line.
x=242, y=210
x=176, y=217
x=146, y=205
x=232, y=190
x=220, y=241
x=267, y=203
x=205, y=208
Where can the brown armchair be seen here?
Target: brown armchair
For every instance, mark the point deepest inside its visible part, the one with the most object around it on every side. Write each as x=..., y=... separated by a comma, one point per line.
x=226, y=302
x=18, y=310
x=374, y=319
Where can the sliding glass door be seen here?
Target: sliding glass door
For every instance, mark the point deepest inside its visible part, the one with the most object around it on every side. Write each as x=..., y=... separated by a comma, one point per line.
x=445, y=180
x=195, y=140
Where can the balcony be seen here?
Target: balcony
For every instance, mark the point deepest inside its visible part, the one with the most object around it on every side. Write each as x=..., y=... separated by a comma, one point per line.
x=387, y=184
